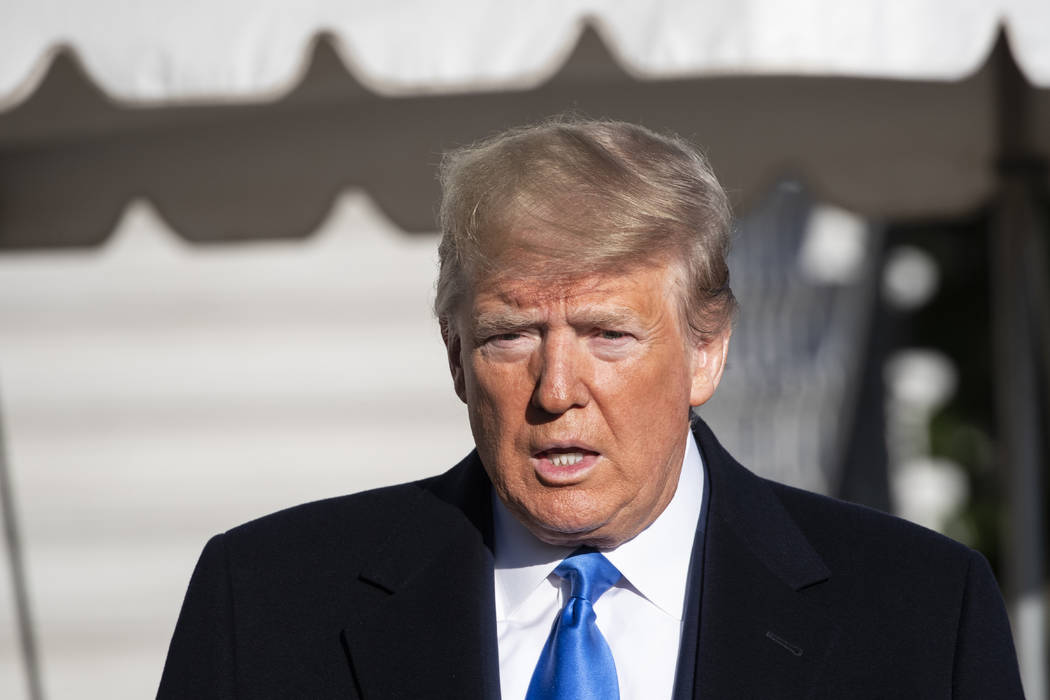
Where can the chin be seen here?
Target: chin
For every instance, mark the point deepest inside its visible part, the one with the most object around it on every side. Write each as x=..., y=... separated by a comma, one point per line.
x=569, y=517
x=579, y=539
x=573, y=531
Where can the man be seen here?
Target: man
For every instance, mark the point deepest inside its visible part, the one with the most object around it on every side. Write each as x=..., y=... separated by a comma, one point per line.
x=596, y=543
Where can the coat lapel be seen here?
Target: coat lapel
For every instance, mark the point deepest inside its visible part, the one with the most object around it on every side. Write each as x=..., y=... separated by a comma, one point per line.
x=425, y=624
x=761, y=634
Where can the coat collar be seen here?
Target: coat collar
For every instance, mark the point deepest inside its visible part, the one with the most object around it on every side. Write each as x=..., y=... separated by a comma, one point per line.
x=758, y=572
x=425, y=623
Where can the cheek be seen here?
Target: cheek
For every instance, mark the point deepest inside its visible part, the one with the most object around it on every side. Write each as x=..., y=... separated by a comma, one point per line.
x=494, y=387
x=646, y=405
x=646, y=383
x=495, y=395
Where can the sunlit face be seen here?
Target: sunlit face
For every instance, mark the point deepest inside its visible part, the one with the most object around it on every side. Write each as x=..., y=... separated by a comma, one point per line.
x=579, y=396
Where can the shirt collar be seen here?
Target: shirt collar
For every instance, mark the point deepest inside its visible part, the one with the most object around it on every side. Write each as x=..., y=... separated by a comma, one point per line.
x=655, y=562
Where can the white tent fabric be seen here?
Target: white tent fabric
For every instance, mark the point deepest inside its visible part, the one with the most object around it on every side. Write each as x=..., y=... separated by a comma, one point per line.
x=158, y=51
x=156, y=393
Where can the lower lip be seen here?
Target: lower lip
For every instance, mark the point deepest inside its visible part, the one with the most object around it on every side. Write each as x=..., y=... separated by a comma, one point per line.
x=554, y=475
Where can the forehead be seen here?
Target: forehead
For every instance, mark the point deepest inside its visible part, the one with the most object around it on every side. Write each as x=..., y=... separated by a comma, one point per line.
x=637, y=291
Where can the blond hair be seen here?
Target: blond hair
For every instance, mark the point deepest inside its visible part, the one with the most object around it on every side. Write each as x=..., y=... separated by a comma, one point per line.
x=596, y=197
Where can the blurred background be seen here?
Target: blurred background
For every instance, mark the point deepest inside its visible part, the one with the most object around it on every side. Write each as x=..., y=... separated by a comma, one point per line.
x=217, y=257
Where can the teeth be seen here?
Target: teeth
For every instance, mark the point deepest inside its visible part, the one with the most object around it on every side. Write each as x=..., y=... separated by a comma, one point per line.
x=566, y=459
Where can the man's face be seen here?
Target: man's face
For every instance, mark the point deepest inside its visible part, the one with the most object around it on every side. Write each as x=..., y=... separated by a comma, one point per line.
x=578, y=395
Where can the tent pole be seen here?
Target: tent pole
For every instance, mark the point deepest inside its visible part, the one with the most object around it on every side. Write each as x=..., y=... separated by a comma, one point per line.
x=26, y=637
x=1016, y=270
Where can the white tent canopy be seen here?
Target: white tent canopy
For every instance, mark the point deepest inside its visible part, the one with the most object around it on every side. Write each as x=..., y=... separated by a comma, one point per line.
x=158, y=51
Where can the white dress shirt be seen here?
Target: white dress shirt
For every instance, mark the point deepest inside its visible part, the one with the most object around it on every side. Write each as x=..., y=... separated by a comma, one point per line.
x=640, y=617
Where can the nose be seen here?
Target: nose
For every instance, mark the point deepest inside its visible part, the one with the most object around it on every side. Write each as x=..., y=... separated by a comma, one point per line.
x=561, y=380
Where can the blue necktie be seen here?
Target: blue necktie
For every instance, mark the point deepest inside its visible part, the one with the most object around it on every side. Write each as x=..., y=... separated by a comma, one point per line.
x=576, y=663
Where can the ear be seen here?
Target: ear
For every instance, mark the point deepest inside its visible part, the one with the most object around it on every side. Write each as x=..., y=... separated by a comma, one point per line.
x=709, y=359
x=454, y=348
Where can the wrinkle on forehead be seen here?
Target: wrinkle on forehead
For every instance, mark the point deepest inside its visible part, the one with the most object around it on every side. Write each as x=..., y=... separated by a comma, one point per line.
x=528, y=288
x=523, y=278
x=518, y=304
x=567, y=238
x=524, y=275
x=508, y=303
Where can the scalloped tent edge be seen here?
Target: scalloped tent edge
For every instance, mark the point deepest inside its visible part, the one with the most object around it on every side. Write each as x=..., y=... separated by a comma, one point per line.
x=272, y=170
x=272, y=84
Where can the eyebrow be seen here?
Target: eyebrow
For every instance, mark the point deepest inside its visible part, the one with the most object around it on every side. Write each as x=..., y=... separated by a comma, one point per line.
x=609, y=317
x=491, y=323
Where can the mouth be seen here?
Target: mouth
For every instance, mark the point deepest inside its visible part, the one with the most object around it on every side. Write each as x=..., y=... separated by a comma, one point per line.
x=564, y=465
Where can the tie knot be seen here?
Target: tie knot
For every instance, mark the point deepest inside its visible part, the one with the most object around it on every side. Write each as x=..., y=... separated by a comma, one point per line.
x=589, y=575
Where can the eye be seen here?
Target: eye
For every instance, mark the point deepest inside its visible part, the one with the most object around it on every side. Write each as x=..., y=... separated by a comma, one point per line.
x=504, y=338
x=611, y=344
x=507, y=340
x=509, y=345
